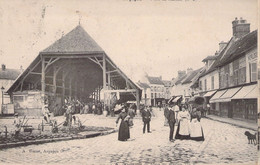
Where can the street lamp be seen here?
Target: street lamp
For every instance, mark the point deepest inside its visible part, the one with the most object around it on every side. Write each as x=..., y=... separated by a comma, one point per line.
x=2, y=89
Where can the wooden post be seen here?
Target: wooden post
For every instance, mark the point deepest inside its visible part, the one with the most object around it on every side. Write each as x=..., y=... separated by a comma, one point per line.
x=54, y=80
x=137, y=99
x=104, y=78
x=70, y=93
x=109, y=94
x=43, y=83
x=63, y=87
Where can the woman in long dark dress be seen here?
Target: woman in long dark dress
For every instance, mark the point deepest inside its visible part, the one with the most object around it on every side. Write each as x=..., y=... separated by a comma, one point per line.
x=123, y=133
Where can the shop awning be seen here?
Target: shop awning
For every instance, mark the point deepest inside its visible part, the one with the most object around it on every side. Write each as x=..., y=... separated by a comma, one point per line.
x=226, y=97
x=210, y=93
x=170, y=100
x=176, y=99
x=217, y=96
x=247, y=92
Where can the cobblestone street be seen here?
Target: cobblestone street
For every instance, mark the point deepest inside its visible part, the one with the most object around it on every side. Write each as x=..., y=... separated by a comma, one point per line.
x=224, y=144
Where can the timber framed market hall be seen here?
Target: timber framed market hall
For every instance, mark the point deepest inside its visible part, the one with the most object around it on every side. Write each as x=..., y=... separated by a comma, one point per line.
x=73, y=67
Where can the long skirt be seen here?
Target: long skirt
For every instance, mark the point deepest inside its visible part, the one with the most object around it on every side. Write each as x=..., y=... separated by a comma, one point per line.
x=183, y=130
x=123, y=133
x=196, y=132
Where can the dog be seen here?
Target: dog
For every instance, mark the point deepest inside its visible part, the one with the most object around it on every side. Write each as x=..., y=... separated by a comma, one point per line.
x=251, y=137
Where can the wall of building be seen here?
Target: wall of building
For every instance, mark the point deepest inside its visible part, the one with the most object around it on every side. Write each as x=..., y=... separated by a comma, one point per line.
x=208, y=79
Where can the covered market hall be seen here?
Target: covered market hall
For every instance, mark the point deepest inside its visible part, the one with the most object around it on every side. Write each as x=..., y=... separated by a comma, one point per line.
x=73, y=68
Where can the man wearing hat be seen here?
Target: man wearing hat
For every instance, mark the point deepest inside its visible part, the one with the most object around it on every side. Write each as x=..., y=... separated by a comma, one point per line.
x=17, y=124
x=146, y=115
x=171, y=121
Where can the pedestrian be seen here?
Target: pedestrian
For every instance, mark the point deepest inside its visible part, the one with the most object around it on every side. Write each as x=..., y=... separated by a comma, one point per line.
x=124, y=132
x=86, y=109
x=146, y=115
x=196, y=131
x=17, y=125
x=131, y=114
x=171, y=121
x=46, y=114
x=183, y=130
x=176, y=109
x=166, y=111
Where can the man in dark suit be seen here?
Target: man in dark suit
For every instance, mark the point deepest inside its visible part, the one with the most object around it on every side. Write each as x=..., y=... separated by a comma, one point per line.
x=146, y=115
x=171, y=121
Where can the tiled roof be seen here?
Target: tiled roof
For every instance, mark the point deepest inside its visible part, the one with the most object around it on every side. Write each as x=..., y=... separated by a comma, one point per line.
x=166, y=83
x=209, y=58
x=155, y=80
x=143, y=85
x=76, y=41
x=9, y=74
x=238, y=48
x=191, y=76
x=179, y=80
x=216, y=62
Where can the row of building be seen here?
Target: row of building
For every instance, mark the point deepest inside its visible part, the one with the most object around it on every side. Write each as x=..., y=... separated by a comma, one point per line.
x=228, y=80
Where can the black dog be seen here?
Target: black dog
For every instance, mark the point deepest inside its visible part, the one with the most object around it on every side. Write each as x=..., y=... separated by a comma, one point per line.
x=251, y=138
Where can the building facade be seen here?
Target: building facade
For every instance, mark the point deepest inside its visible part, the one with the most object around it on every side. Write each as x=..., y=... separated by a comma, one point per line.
x=7, y=77
x=230, y=83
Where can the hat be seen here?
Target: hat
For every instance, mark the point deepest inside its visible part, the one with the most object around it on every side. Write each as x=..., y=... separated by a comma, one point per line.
x=16, y=114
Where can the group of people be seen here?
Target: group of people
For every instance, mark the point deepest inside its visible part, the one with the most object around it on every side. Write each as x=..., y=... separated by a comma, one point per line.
x=127, y=114
x=188, y=121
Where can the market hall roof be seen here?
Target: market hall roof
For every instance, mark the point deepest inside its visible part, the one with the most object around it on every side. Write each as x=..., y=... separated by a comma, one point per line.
x=76, y=44
x=76, y=41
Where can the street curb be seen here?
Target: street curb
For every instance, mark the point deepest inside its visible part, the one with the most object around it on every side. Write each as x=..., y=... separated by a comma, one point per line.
x=42, y=141
x=241, y=126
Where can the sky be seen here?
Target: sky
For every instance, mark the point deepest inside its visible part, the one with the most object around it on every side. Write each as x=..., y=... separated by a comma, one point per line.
x=156, y=37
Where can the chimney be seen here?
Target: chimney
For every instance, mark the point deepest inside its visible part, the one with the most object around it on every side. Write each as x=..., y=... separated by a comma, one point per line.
x=240, y=27
x=222, y=45
x=189, y=70
x=160, y=77
x=181, y=73
x=21, y=68
x=3, y=67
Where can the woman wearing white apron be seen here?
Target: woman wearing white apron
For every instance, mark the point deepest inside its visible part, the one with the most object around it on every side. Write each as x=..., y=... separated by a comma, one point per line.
x=196, y=132
x=183, y=131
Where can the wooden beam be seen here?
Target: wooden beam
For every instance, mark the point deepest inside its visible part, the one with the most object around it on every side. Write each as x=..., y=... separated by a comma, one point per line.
x=35, y=73
x=112, y=71
x=120, y=90
x=95, y=61
x=30, y=69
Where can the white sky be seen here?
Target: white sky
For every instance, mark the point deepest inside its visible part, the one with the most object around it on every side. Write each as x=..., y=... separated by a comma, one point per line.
x=157, y=37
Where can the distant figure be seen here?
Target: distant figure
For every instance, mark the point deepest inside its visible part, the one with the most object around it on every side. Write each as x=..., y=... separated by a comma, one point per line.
x=17, y=125
x=146, y=115
x=86, y=109
x=183, y=125
x=46, y=114
x=171, y=121
x=124, y=132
